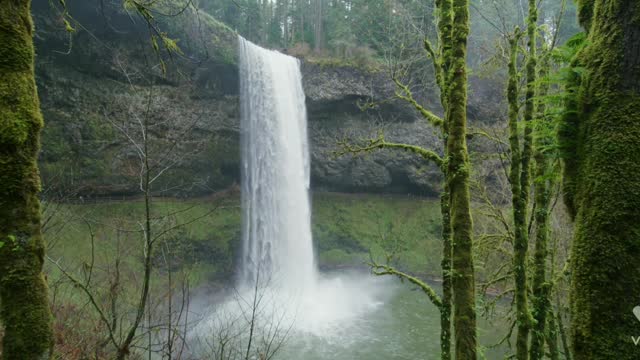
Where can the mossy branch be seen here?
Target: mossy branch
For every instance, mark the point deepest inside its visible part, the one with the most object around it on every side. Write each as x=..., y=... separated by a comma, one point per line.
x=485, y=134
x=407, y=96
x=437, y=66
x=157, y=36
x=346, y=147
x=382, y=270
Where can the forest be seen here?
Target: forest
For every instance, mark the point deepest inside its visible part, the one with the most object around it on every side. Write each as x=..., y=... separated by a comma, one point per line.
x=319, y=179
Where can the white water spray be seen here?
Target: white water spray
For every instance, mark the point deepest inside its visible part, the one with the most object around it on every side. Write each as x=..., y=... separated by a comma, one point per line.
x=277, y=241
x=277, y=244
x=278, y=279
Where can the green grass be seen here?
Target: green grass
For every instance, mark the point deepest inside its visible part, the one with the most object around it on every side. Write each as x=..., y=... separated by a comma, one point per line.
x=346, y=229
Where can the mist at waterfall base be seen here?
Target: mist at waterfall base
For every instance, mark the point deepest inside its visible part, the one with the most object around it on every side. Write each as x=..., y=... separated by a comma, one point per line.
x=281, y=305
x=277, y=241
x=278, y=284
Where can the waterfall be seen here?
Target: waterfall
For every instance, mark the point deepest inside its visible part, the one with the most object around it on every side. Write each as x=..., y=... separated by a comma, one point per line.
x=279, y=292
x=277, y=265
x=277, y=242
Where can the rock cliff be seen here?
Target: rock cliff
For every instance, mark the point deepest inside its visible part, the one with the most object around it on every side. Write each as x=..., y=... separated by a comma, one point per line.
x=99, y=85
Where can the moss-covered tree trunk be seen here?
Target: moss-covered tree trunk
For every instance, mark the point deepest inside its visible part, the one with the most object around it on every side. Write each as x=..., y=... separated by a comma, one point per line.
x=605, y=164
x=542, y=190
x=464, y=313
x=521, y=200
x=445, y=20
x=24, y=306
x=551, y=336
x=518, y=203
x=447, y=291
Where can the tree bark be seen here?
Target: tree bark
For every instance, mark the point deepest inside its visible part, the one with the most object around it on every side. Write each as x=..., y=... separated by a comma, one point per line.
x=24, y=305
x=318, y=31
x=442, y=66
x=447, y=291
x=458, y=172
x=606, y=184
x=542, y=189
x=521, y=242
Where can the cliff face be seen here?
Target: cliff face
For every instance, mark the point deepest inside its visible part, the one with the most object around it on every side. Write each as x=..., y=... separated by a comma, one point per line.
x=99, y=86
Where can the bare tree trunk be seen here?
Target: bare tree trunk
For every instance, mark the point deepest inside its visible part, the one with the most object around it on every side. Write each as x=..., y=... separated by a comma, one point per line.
x=285, y=23
x=142, y=304
x=301, y=10
x=318, y=25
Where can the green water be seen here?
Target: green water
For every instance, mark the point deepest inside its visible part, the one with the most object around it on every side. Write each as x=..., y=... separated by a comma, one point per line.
x=404, y=326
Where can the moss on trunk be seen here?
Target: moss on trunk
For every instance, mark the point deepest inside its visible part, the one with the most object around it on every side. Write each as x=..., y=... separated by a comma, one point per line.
x=445, y=23
x=606, y=193
x=24, y=305
x=542, y=189
x=458, y=172
x=521, y=242
x=585, y=12
x=447, y=291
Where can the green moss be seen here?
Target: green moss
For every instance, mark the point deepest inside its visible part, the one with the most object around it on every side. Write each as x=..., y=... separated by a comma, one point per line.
x=17, y=89
x=24, y=306
x=370, y=66
x=458, y=173
x=345, y=228
x=356, y=224
x=540, y=285
x=569, y=139
x=336, y=258
x=585, y=12
x=442, y=66
x=606, y=190
x=521, y=200
x=18, y=115
x=213, y=38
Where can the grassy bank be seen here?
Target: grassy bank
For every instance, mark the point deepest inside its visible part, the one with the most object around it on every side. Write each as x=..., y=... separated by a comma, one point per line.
x=347, y=228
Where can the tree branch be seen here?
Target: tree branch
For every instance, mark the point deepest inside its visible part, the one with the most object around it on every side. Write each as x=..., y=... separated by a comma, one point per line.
x=381, y=143
x=381, y=270
x=408, y=97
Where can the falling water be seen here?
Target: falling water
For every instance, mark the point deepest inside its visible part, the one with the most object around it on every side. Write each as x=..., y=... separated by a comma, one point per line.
x=321, y=316
x=277, y=243
x=277, y=265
